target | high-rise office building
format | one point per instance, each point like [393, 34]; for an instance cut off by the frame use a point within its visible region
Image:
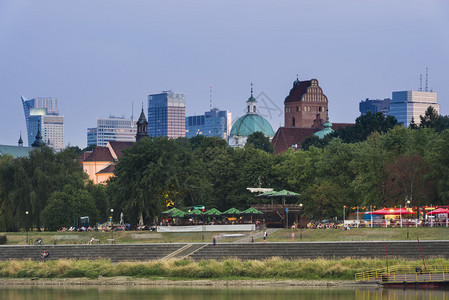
[113, 128]
[166, 115]
[213, 123]
[375, 106]
[406, 106]
[43, 113]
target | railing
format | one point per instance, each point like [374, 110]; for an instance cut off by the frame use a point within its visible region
[405, 274]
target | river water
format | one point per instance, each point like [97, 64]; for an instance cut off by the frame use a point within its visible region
[195, 293]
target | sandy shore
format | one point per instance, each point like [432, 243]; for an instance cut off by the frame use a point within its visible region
[129, 281]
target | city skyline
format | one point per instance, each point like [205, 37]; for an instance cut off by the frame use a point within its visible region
[98, 58]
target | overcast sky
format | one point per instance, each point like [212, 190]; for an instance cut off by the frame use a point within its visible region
[98, 57]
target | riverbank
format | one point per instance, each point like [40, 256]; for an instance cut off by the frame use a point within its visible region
[130, 281]
[228, 270]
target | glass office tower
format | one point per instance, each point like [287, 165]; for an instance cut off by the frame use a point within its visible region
[166, 115]
[113, 128]
[213, 123]
[408, 105]
[43, 112]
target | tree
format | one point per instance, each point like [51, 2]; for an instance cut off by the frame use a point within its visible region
[68, 205]
[409, 178]
[149, 171]
[364, 126]
[260, 141]
[430, 118]
[315, 141]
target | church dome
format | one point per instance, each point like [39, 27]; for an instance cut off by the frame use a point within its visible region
[250, 123]
[326, 130]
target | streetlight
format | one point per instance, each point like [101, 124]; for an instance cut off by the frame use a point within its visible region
[408, 225]
[112, 227]
[26, 213]
[300, 219]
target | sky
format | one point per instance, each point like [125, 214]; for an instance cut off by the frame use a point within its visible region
[102, 57]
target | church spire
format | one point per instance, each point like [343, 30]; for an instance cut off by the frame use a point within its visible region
[251, 103]
[20, 140]
[38, 141]
[142, 126]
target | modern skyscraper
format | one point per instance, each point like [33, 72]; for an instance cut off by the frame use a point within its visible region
[166, 115]
[406, 106]
[112, 129]
[375, 106]
[213, 123]
[43, 112]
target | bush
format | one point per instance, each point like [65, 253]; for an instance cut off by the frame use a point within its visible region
[3, 239]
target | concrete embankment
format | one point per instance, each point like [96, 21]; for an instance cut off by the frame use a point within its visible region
[244, 251]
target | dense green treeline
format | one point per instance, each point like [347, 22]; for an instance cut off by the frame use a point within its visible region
[52, 187]
[384, 170]
[387, 168]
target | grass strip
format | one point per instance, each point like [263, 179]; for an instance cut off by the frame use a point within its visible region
[277, 268]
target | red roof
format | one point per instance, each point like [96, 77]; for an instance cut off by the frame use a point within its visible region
[286, 137]
[107, 170]
[100, 154]
[118, 147]
[298, 91]
[84, 155]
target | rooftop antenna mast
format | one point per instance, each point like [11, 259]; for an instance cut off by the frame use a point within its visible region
[420, 83]
[210, 96]
[427, 79]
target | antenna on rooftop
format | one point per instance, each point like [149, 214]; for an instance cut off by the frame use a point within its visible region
[420, 83]
[210, 96]
[427, 79]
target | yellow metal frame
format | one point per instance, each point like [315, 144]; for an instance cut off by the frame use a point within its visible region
[401, 274]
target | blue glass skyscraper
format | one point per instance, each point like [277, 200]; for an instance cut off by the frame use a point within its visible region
[166, 115]
[213, 123]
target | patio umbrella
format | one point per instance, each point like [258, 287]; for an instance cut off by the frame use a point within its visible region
[194, 212]
[171, 211]
[438, 211]
[232, 212]
[382, 212]
[178, 214]
[213, 212]
[266, 194]
[385, 211]
[251, 211]
[284, 194]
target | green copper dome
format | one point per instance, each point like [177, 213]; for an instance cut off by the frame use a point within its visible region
[250, 123]
[326, 130]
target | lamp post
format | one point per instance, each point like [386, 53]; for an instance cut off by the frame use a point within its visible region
[300, 221]
[112, 228]
[408, 225]
[26, 213]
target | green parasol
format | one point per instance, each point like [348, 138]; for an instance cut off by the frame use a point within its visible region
[171, 211]
[232, 212]
[213, 212]
[178, 214]
[283, 194]
[252, 211]
[194, 212]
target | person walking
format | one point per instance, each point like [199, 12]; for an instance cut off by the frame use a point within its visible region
[265, 234]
